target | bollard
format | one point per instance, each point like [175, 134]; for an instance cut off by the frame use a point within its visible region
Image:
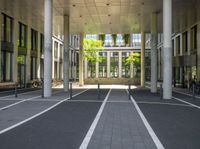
[16, 90]
[42, 81]
[161, 92]
[193, 90]
[129, 92]
[70, 93]
[98, 91]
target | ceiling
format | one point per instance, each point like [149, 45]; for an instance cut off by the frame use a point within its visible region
[103, 16]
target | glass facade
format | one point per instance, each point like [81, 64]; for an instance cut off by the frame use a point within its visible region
[22, 35]
[114, 65]
[34, 40]
[103, 65]
[125, 67]
[6, 53]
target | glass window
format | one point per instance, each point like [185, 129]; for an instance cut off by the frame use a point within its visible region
[33, 40]
[22, 35]
[61, 51]
[6, 66]
[120, 40]
[91, 70]
[56, 49]
[136, 39]
[125, 67]
[103, 65]
[185, 39]
[6, 28]
[42, 43]
[178, 49]
[108, 40]
[193, 38]
[114, 61]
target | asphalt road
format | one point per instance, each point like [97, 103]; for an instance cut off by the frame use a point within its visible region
[62, 127]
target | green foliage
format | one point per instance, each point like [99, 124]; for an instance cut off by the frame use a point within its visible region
[102, 38]
[134, 59]
[114, 37]
[91, 48]
[126, 38]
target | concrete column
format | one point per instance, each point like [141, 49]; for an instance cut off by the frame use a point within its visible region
[120, 64]
[15, 54]
[0, 50]
[66, 53]
[70, 63]
[81, 81]
[48, 11]
[97, 67]
[86, 69]
[28, 56]
[142, 81]
[154, 54]
[108, 64]
[53, 58]
[38, 56]
[167, 49]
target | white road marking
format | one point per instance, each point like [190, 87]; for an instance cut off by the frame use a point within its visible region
[88, 136]
[185, 94]
[193, 105]
[147, 125]
[36, 115]
[21, 101]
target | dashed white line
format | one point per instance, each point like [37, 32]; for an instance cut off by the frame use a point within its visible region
[88, 136]
[36, 115]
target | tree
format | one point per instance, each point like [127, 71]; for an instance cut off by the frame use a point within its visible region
[114, 37]
[91, 49]
[134, 59]
[102, 38]
[126, 38]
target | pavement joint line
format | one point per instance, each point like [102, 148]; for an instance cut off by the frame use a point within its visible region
[116, 101]
[14, 90]
[83, 101]
[3, 97]
[38, 114]
[147, 125]
[160, 103]
[193, 105]
[90, 132]
[21, 101]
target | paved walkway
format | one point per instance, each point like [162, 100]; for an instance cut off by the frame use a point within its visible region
[111, 122]
[120, 126]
